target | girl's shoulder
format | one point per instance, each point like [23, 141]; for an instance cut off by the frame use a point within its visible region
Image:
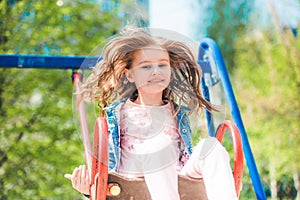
[115, 104]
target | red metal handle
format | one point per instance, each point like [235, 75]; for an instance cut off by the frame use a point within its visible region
[77, 77]
[100, 158]
[238, 151]
[98, 162]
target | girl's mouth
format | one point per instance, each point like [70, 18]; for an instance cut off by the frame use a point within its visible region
[156, 81]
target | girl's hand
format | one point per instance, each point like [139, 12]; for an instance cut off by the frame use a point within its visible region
[80, 179]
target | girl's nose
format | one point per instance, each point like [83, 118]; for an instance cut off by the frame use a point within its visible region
[155, 69]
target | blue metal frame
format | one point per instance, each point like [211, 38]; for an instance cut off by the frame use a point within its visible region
[46, 62]
[208, 44]
[208, 115]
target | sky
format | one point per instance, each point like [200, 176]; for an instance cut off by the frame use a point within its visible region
[183, 16]
[288, 11]
[175, 15]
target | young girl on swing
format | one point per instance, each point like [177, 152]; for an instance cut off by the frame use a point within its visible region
[147, 86]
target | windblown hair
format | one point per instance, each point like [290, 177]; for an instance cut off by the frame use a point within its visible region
[108, 82]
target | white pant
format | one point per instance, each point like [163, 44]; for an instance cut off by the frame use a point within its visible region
[209, 161]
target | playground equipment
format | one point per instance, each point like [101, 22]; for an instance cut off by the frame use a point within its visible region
[111, 186]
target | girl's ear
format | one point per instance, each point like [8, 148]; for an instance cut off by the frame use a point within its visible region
[129, 76]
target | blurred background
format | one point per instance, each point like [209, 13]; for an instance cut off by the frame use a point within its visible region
[39, 141]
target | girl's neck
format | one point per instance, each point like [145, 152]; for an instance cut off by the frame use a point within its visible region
[150, 100]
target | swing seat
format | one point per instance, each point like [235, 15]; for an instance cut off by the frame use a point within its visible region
[112, 186]
[135, 188]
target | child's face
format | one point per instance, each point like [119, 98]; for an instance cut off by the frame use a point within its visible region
[150, 70]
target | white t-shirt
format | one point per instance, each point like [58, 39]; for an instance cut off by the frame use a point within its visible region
[150, 147]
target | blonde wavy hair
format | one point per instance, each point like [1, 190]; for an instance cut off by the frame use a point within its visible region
[108, 83]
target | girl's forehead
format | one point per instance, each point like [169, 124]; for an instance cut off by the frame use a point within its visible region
[151, 50]
[153, 47]
[150, 54]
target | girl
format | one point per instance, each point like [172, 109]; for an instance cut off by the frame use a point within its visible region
[147, 86]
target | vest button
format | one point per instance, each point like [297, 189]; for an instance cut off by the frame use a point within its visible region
[184, 130]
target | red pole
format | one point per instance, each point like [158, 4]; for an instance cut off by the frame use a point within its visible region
[101, 136]
[238, 151]
[98, 162]
[77, 77]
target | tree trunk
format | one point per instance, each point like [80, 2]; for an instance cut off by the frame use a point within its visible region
[273, 183]
[297, 183]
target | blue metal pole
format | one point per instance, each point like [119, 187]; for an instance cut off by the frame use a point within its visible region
[208, 43]
[208, 115]
[46, 62]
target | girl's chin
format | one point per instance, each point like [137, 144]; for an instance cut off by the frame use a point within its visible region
[158, 85]
[153, 89]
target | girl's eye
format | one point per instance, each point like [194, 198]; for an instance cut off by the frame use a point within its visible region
[146, 67]
[162, 65]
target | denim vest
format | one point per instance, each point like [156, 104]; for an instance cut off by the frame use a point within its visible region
[112, 114]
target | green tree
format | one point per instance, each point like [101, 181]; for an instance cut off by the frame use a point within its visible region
[35, 27]
[268, 82]
[225, 21]
[39, 140]
[264, 69]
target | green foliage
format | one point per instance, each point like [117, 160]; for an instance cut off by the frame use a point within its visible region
[39, 140]
[228, 20]
[42, 27]
[265, 73]
[267, 82]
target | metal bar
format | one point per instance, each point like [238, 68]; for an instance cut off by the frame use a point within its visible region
[208, 43]
[47, 62]
[80, 108]
[206, 68]
[208, 115]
